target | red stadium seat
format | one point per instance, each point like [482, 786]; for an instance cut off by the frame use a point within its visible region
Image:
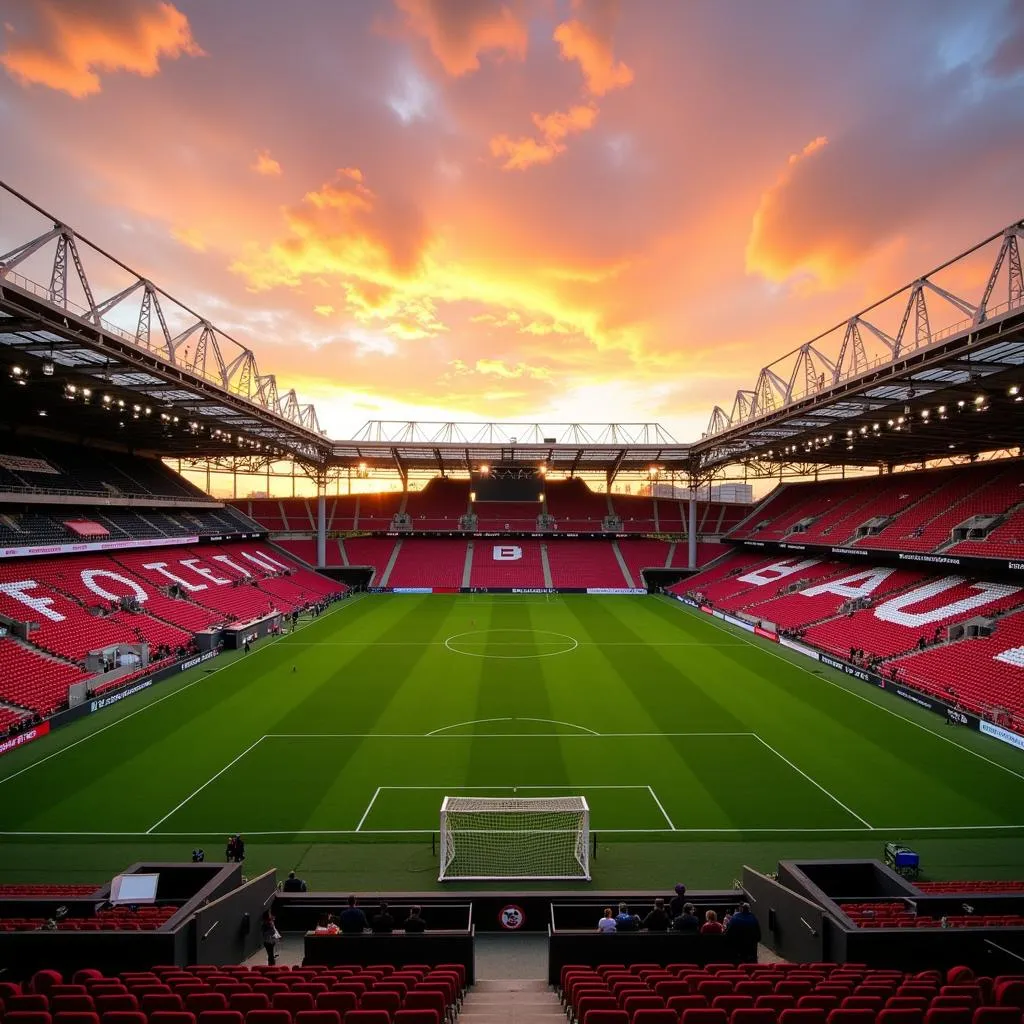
[432, 1017]
[747, 1015]
[317, 1017]
[79, 1017]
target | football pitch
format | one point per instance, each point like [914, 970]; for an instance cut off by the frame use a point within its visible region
[698, 748]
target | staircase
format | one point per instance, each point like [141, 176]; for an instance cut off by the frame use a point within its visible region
[512, 1001]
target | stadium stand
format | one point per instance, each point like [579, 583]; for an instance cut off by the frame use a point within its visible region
[375, 511]
[575, 506]
[369, 551]
[585, 563]
[492, 568]
[901, 512]
[507, 516]
[428, 563]
[87, 603]
[52, 467]
[898, 618]
[440, 505]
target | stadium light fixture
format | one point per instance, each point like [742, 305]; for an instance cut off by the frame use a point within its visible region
[48, 368]
[980, 400]
[1014, 390]
[485, 469]
[42, 412]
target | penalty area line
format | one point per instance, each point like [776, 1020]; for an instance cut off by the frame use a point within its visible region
[213, 778]
[369, 807]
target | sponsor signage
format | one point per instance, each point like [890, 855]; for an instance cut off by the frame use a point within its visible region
[615, 590]
[106, 545]
[28, 736]
[766, 633]
[197, 660]
[982, 567]
[112, 698]
[795, 645]
[412, 590]
[999, 733]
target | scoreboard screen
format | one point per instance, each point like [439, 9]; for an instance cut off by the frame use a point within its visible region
[507, 485]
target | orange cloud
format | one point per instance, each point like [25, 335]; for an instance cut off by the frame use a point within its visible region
[779, 246]
[593, 53]
[459, 31]
[524, 152]
[76, 40]
[191, 237]
[265, 164]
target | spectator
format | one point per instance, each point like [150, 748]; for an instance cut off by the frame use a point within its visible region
[711, 925]
[414, 923]
[352, 919]
[326, 926]
[607, 923]
[271, 936]
[686, 922]
[383, 923]
[675, 907]
[198, 856]
[293, 884]
[625, 921]
[657, 920]
[744, 932]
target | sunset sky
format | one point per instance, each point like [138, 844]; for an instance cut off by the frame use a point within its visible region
[530, 209]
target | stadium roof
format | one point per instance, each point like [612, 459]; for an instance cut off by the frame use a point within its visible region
[138, 368]
[138, 346]
[888, 387]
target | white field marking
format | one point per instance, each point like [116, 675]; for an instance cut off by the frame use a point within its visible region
[472, 721]
[852, 693]
[555, 721]
[442, 788]
[512, 643]
[438, 734]
[654, 797]
[812, 781]
[212, 778]
[173, 693]
[369, 807]
[623, 831]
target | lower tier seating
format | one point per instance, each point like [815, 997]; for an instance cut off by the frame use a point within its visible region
[899, 619]
[585, 563]
[429, 563]
[513, 563]
[80, 604]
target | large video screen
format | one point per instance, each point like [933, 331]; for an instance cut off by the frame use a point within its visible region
[506, 485]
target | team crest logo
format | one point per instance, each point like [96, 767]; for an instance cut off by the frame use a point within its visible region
[512, 918]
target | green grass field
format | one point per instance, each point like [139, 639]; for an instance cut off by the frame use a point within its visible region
[698, 748]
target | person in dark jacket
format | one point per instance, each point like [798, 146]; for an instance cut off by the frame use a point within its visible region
[675, 907]
[657, 920]
[626, 921]
[687, 922]
[352, 919]
[383, 923]
[744, 933]
[293, 883]
[414, 923]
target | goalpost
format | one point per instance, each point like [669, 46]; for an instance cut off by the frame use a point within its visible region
[493, 839]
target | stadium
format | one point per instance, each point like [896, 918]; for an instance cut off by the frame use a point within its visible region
[493, 677]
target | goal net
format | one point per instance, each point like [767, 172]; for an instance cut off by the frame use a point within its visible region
[487, 839]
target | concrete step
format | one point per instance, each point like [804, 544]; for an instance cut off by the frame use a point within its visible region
[511, 997]
[512, 985]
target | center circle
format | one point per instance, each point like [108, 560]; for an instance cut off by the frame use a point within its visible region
[503, 643]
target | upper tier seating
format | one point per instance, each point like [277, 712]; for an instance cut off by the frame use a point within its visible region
[377, 510]
[440, 505]
[576, 508]
[585, 563]
[429, 562]
[635, 511]
[922, 510]
[40, 465]
[514, 516]
[30, 526]
[515, 563]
